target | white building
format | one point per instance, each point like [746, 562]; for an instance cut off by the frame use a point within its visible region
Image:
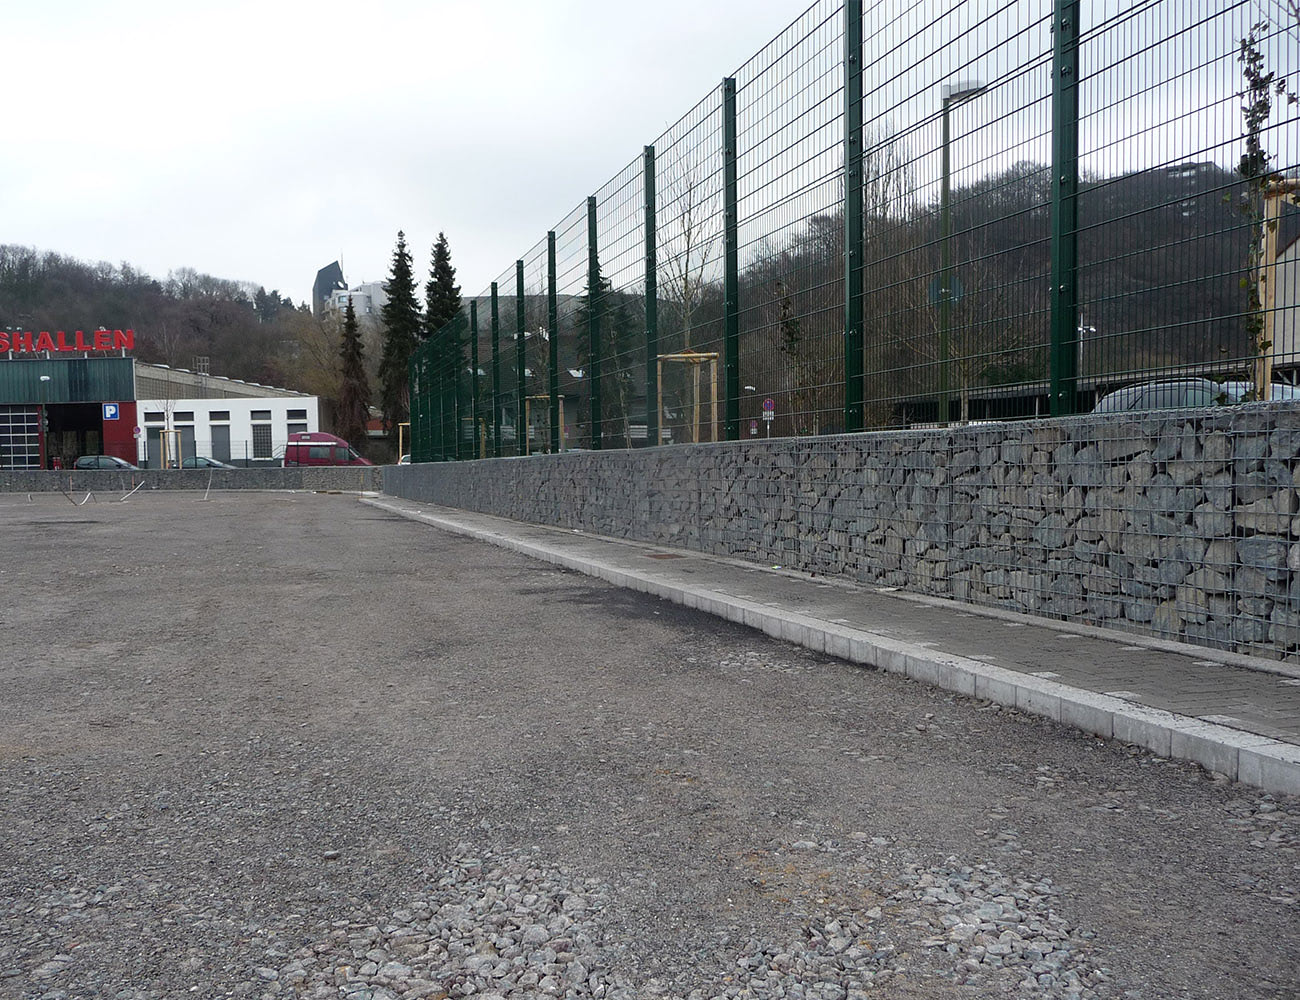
[182, 414]
[368, 298]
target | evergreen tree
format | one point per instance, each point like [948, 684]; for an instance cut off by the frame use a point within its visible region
[354, 390]
[442, 294]
[445, 327]
[621, 350]
[401, 318]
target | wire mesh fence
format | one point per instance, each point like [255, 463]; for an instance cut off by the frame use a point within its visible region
[894, 216]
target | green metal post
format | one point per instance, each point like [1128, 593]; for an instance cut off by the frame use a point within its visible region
[553, 332]
[450, 389]
[854, 240]
[496, 374]
[439, 419]
[456, 364]
[521, 363]
[652, 414]
[594, 306]
[473, 380]
[444, 398]
[731, 266]
[1065, 208]
[945, 269]
[413, 392]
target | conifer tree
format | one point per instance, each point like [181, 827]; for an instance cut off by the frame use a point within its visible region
[444, 326]
[442, 294]
[354, 389]
[401, 317]
[620, 350]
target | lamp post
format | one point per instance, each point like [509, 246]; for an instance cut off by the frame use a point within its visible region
[44, 419]
[950, 94]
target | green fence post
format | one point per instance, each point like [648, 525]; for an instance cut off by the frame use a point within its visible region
[413, 393]
[553, 332]
[854, 242]
[593, 324]
[521, 363]
[456, 363]
[731, 267]
[1065, 208]
[652, 414]
[496, 374]
[440, 378]
[473, 381]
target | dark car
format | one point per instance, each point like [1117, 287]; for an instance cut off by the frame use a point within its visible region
[203, 462]
[103, 462]
[1174, 394]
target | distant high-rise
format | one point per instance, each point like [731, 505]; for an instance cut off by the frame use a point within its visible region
[329, 279]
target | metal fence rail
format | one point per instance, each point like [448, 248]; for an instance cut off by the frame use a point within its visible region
[891, 217]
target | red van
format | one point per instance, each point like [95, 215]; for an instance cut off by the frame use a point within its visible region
[319, 448]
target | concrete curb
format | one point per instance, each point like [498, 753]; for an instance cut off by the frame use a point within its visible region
[1255, 760]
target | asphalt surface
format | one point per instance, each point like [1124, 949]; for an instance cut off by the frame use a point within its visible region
[1235, 715]
[245, 742]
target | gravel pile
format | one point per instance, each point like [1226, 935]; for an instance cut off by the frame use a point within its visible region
[493, 926]
[990, 923]
[506, 927]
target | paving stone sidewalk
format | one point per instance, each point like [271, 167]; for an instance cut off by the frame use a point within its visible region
[1233, 714]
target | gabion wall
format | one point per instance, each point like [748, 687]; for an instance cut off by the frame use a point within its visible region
[1183, 525]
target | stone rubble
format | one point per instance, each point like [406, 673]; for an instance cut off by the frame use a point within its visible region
[502, 926]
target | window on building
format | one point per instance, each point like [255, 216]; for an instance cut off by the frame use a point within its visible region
[261, 415]
[297, 428]
[297, 415]
[219, 416]
[261, 440]
[153, 417]
[184, 416]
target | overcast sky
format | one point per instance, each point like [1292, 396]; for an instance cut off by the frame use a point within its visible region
[261, 141]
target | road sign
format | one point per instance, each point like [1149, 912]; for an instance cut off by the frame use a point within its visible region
[110, 411]
[769, 416]
[137, 432]
[753, 427]
[768, 406]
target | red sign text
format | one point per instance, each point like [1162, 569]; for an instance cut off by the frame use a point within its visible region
[24, 341]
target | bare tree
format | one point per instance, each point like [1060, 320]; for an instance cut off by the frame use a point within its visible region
[690, 241]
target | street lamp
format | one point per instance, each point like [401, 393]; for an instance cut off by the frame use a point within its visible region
[950, 94]
[44, 418]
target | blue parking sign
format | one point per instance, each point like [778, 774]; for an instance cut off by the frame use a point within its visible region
[110, 411]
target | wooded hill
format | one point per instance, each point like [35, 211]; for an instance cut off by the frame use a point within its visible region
[245, 331]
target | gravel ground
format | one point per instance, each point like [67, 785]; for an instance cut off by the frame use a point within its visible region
[285, 745]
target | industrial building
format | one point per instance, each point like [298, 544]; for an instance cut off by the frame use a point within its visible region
[64, 395]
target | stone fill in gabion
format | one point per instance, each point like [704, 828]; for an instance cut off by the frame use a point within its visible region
[1182, 524]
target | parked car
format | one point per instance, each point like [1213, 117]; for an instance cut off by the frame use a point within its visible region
[103, 462]
[1277, 392]
[404, 460]
[319, 448]
[203, 462]
[1175, 394]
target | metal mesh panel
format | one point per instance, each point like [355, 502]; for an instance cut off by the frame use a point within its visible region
[956, 284]
[989, 286]
[689, 175]
[1164, 237]
[619, 308]
[791, 199]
